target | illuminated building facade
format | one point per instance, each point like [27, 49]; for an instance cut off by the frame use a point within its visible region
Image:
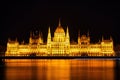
[59, 45]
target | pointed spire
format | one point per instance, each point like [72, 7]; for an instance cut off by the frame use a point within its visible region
[49, 33]
[49, 36]
[59, 22]
[78, 36]
[99, 41]
[67, 28]
[30, 39]
[67, 32]
[40, 37]
[67, 36]
[102, 38]
[30, 33]
[23, 42]
[39, 34]
[49, 30]
[9, 39]
[16, 40]
[111, 38]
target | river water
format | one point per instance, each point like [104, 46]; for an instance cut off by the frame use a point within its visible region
[60, 69]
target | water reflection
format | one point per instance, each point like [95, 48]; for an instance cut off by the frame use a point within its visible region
[93, 70]
[84, 69]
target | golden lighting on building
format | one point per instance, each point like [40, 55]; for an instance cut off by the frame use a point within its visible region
[59, 45]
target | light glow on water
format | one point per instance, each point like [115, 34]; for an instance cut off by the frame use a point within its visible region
[59, 69]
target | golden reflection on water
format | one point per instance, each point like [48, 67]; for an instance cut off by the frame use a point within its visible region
[59, 69]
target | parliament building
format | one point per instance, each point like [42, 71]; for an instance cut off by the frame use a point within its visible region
[59, 45]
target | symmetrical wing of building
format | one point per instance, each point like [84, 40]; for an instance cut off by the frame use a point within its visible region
[59, 45]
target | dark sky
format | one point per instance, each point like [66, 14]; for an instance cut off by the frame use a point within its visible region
[18, 18]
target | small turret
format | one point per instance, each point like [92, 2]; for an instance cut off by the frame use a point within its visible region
[30, 39]
[9, 39]
[16, 40]
[30, 33]
[102, 38]
[40, 40]
[79, 37]
[111, 38]
[88, 34]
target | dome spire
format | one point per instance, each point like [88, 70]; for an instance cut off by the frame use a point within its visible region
[59, 23]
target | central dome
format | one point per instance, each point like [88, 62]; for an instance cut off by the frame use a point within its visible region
[59, 30]
[59, 35]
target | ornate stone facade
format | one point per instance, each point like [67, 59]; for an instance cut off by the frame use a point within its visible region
[60, 45]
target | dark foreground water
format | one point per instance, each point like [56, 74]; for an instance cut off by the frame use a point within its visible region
[71, 69]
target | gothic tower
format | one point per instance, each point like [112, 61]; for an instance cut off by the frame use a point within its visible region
[79, 37]
[30, 39]
[49, 41]
[49, 36]
[67, 36]
[40, 39]
[88, 35]
[67, 42]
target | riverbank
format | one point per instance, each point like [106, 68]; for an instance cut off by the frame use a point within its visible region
[60, 57]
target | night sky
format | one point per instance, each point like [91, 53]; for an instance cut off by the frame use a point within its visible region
[18, 18]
